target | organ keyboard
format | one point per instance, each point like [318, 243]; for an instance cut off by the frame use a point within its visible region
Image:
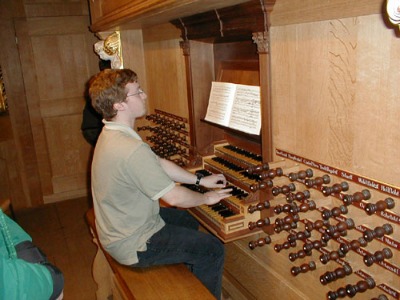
[230, 218]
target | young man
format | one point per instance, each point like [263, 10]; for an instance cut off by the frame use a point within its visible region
[128, 180]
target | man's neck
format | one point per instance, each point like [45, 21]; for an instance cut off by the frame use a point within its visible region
[126, 121]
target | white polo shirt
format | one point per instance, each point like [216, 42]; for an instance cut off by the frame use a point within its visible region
[127, 182]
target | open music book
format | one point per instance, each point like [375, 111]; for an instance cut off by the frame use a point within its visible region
[236, 106]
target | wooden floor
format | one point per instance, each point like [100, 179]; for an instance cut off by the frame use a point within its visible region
[60, 230]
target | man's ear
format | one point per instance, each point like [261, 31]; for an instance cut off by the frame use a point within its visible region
[119, 106]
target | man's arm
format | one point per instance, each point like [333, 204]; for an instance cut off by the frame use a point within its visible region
[183, 197]
[181, 175]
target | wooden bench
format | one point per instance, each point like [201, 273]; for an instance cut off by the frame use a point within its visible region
[115, 281]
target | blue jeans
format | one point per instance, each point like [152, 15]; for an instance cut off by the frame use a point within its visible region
[179, 241]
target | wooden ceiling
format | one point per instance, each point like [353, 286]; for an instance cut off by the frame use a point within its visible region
[131, 14]
[141, 14]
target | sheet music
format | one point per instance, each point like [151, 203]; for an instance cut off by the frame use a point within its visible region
[246, 109]
[236, 106]
[220, 103]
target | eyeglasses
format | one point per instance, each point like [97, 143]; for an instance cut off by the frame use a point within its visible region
[139, 92]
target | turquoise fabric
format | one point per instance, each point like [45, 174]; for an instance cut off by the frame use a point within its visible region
[19, 279]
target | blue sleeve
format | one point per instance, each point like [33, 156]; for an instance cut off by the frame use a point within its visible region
[22, 280]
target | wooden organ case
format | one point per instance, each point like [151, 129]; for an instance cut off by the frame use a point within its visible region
[220, 46]
[300, 229]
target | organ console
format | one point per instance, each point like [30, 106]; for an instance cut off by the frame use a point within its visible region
[239, 215]
[316, 211]
[293, 207]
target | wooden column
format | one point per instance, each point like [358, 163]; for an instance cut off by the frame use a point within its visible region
[185, 45]
[262, 40]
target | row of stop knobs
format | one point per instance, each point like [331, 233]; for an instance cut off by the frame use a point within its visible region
[348, 290]
[266, 175]
[331, 231]
[288, 190]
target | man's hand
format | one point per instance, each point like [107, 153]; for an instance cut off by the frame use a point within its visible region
[215, 196]
[213, 181]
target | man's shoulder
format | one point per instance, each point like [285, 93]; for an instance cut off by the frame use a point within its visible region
[121, 143]
[121, 138]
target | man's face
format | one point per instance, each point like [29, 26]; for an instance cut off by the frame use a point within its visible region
[136, 100]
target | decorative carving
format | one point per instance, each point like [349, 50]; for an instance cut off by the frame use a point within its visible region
[110, 49]
[262, 41]
[185, 46]
[393, 11]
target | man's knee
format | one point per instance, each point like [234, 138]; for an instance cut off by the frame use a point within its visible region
[216, 247]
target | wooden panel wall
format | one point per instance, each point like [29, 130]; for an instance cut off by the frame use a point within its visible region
[133, 53]
[203, 73]
[335, 94]
[19, 174]
[57, 58]
[303, 11]
[155, 55]
[165, 71]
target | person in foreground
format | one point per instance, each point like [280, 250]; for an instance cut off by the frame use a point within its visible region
[25, 271]
[128, 180]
